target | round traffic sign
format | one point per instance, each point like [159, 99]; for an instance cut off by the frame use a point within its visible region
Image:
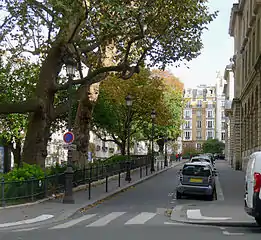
[68, 137]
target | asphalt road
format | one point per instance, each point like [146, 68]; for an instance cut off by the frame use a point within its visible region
[137, 213]
[136, 232]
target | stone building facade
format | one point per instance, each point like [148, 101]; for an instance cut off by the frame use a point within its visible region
[245, 28]
[229, 96]
[199, 116]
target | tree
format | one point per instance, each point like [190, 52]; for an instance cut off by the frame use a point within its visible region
[104, 36]
[213, 146]
[174, 101]
[17, 81]
[110, 112]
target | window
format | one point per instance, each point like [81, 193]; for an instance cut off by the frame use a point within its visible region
[199, 136]
[223, 114]
[222, 136]
[198, 113]
[210, 114]
[199, 103]
[187, 114]
[188, 105]
[209, 134]
[210, 105]
[187, 135]
[196, 170]
[223, 125]
[223, 103]
[198, 146]
[199, 124]
[210, 124]
[188, 124]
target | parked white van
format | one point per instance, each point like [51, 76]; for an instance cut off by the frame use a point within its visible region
[253, 186]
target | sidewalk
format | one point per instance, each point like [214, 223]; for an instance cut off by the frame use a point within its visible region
[228, 210]
[55, 210]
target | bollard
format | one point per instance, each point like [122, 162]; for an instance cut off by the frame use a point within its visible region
[161, 165]
[45, 185]
[3, 192]
[119, 179]
[106, 183]
[32, 189]
[140, 172]
[157, 166]
[146, 170]
[90, 183]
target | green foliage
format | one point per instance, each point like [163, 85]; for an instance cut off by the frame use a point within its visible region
[213, 146]
[27, 172]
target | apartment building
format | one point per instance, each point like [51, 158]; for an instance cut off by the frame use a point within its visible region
[199, 116]
[220, 109]
[245, 27]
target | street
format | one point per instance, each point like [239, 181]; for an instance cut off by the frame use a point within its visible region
[139, 212]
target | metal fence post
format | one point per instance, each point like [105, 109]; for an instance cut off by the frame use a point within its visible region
[140, 171]
[32, 189]
[119, 176]
[45, 185]
[3, 192]
[106, 183]
[90, 183]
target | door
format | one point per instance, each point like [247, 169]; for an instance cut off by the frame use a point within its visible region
[250, 182]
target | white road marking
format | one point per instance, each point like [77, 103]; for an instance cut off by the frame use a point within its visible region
[222, 228]
[141, 218]
[24, 229]
[220, 195]
[106, 219]
[232, 234]
[196, 214]
[40, 218]
[73, 222]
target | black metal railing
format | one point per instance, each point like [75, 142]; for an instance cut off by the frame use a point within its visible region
[17, 192]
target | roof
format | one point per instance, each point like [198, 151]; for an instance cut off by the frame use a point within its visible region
[197, 164]
[201, 157]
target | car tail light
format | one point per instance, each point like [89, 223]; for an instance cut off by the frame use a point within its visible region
[257, 182]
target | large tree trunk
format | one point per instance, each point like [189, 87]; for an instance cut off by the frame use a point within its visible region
[123, 148]
[82, 123]
[38, 131]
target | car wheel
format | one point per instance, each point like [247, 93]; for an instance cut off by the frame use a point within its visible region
[258, 221]
[178, 195]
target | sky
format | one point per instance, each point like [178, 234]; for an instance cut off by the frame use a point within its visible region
[218, 49]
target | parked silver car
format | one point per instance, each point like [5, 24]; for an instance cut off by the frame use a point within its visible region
[197, 178]
[202, 158]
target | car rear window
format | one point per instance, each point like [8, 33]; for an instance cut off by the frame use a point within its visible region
[196, 170]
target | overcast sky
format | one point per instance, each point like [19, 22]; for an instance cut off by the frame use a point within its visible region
[218, 49]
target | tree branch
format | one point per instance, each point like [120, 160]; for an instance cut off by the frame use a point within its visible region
[90, 78]
[20, 107]
[41, 6]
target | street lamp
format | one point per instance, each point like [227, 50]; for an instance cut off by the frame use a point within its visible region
[153, 116]
[68, 195]
[129, 104]
[166, 153]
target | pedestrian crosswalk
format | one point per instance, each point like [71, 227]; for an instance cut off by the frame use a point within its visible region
[101, 220]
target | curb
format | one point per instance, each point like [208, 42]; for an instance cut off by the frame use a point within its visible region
[182, 219]
[119, 190]
[60, 195]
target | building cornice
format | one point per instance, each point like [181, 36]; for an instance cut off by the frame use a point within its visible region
[233, 14]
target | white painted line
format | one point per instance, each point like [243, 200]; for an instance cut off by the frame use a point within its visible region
[220, 195]
[40, 218]
[141, 218]
[196, 214]
[232, 234]
[73, 222]
[106, 219]
[222, 228]
[24, 229]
